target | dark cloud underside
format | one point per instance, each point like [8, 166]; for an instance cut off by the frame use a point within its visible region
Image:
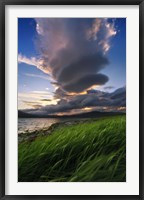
[86, 82]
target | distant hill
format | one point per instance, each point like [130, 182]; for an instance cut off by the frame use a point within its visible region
[93, 114]
[22, 114]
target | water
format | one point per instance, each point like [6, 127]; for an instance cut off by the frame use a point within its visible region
[32, 124]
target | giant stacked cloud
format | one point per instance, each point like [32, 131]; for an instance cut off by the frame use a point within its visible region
[73, 51]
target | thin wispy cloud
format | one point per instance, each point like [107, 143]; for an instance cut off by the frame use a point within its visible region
[30, 61]
[29, 99]
[37, 62]
[38, 76]
[41, 92]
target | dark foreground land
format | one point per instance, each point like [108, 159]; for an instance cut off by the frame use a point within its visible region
[87, 151]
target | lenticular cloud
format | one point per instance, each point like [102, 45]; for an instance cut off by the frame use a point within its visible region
[73, 51]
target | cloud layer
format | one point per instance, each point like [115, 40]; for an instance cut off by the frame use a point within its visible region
[115, 100]
[73, 51]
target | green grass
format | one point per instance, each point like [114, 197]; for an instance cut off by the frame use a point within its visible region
[93, 151]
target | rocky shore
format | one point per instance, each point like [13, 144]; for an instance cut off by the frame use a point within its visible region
[31, 136]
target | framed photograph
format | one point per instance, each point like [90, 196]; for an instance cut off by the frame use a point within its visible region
[71, 99]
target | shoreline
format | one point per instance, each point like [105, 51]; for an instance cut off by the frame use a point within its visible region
[32, 135]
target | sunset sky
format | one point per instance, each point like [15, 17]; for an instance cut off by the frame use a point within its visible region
[71, 65]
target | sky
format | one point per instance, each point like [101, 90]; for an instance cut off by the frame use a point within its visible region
[71, 65]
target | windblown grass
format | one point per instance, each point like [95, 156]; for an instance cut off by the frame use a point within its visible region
[88, 152]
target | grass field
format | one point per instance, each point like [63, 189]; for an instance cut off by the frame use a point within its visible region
[93, 151]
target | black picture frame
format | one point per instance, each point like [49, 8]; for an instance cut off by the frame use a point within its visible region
[3, 3]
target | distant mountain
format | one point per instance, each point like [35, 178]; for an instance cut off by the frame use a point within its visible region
[93, 114]
[119, 93]
[22, 114]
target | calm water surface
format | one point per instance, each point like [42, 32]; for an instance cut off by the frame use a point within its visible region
[32, 124]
